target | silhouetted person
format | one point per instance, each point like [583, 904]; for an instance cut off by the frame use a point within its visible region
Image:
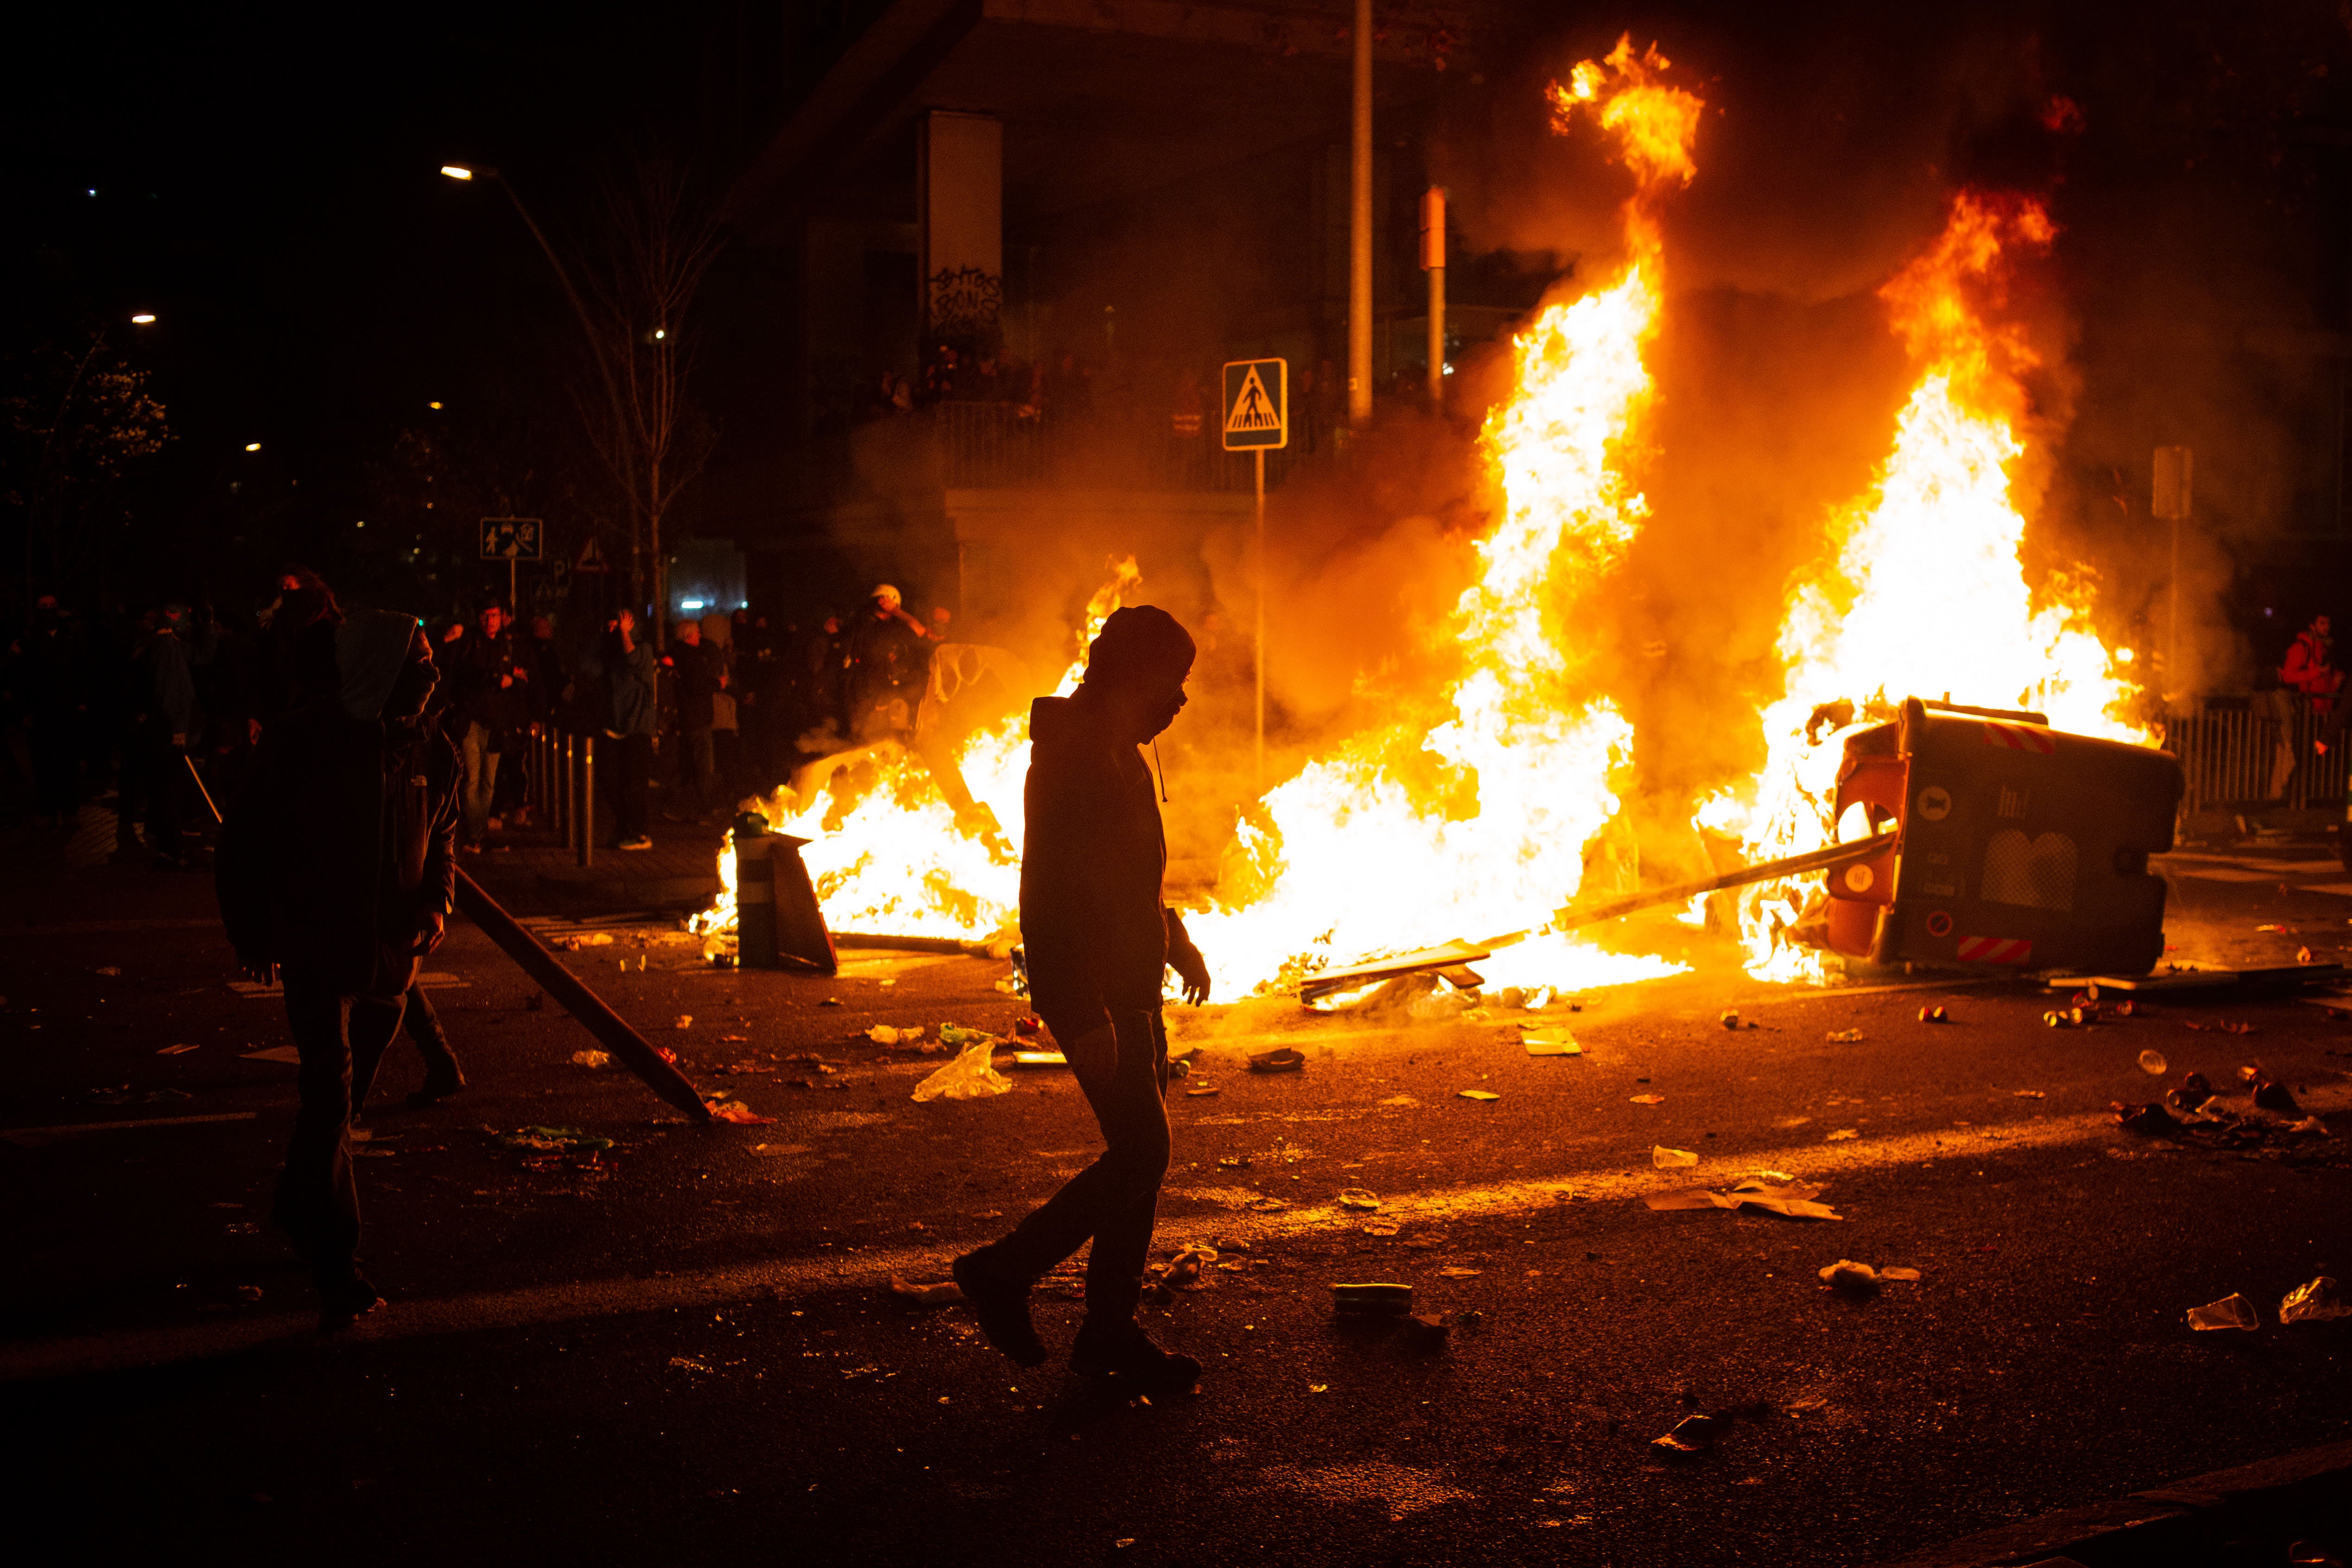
[443, 1077]
[886, 661]
[2310, 668]
[701, 674]
[335, 869]
[631, 668]
[1098, 941]
[168, 725]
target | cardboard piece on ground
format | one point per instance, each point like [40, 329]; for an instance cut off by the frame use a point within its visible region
[1550, 1043]
[1331, 981]
[1792, 1202]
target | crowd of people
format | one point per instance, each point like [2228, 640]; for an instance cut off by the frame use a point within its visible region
[153, 716]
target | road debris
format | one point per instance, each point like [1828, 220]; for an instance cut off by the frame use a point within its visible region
[1182, 1272]
[2268, 1092]
[1381, 1228]
[1550, 1043]
[1478, 1094]
[725, 1109]
[969, 1076]
[1692, 1436]
[175, 1050]
[1282, 1058]
[938, 1294]
[1048, 1060]
[1647, 1098]
[2153, 1064]
[1731, 1019]
[2192, 1092]
[1456, 1271]
[685, 1021]
[1200, 1091]
[1934, 1015]
[887, 1034]
[109, 970]
[1789, 1200]
[1845, 1274]
[1427, 1330]
[1371, 1301]
[2314, 1303]
[2027, 1094]
[2218, 1027]
[1840, 1038]
[1844, 1135]
[550, 1140]
[2232, 1311]
[1358, 1198]
[1666, 1159]
[591, 1059]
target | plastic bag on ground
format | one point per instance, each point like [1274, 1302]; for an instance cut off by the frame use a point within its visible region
[1666, 1159]
[2232, 1311]
[2314, 1303]
[968, 1077]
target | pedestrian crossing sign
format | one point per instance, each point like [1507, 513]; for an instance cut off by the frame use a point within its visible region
[1257, 403]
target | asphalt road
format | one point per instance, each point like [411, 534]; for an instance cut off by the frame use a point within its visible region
[689, 1350]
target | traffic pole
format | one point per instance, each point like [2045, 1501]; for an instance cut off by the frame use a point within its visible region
[1259, 658]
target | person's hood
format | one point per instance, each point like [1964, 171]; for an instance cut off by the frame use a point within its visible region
[371, 646]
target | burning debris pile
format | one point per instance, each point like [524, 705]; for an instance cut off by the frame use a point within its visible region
[1473, 814]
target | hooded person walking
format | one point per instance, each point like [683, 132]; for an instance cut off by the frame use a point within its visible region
[1098, 942]
[335, 870]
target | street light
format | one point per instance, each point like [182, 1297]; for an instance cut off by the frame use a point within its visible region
[253, 446]
[143, 318]
[457, 171]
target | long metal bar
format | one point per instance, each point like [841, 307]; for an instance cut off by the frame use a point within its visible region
[587, 800]
[1836, 855]
[537, 960]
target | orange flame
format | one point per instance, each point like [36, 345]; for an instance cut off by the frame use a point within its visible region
[1926, 596]
[1370, 852]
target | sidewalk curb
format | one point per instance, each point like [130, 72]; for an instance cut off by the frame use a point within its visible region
[2171, 1520]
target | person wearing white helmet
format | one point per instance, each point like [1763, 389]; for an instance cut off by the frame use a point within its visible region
[886, 665]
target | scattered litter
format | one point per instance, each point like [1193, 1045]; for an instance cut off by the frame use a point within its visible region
[2289, 930]
[1844, 1135]
[586, 939]
[1845, 1274]
[1426, 1330]
[591, 1059]
[685, 1021]
[1842, 1037]
[287, 1054]
[830, 1002]
[2028, 1094]
[968, 1077]
[1029, 1028]
[1934, 1015]
[175, 1050]
[1381, 1228]
[2218, 1027]
[1382, 1300]
[1282, 1058]
[1551, 1043]
[1183, 1270]
[551, 1140]
[1789, 1200]
[687, 1363]
[939, 1294]
[1666, 1159]
[1458, 1272]
[2314, 1303]
[1730, 1019]
[2189, 1094]
[1478, 1094]
[958, 1035]
[2302, 955]
[1200, 1091]
[2268, 1092]
[2232, 1311]
[1040, 1059]
[1692, 1436]
[1647, 1098]
[2153, 1064]
[736, 1111]
[1264, 1204]
[1358, 1198]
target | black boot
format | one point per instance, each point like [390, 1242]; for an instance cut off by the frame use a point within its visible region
[344, 1298]
[442, 1080]
[1002, 1306]
[1124, 1353]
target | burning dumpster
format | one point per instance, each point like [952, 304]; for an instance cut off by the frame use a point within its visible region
[2016, 845]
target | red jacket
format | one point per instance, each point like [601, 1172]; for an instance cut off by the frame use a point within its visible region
[2307, 670]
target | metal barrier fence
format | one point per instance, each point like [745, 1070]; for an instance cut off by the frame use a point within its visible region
[2242, 753]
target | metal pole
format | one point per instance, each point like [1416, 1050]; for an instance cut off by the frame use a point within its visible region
[1360, 229]
[587, 799]
[1259, 656]
[571, 788]
[1433, 259]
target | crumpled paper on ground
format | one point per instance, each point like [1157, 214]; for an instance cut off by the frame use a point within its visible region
[1792, 1202]
[968, 1077]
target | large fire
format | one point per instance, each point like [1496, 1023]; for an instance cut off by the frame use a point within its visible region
[1473, 814]
[1926, 596]
[1373, 851]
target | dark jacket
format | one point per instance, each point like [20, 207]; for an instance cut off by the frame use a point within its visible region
[170, 678]
[476, 697]
[699, 665]
[1092, 925]
[884, 653]
[636, 700]
[338, 841]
